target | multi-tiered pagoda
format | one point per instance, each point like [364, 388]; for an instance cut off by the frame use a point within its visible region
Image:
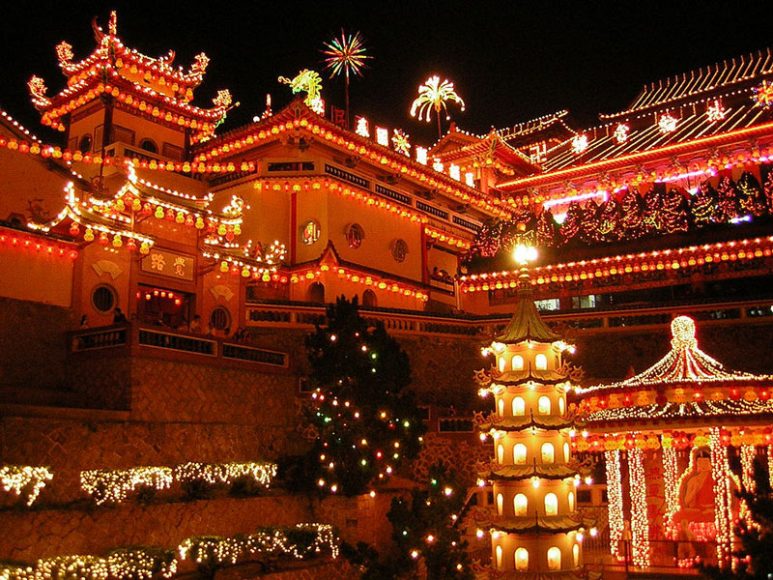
[535, 529]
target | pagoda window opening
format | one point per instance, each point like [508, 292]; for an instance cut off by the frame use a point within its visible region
[316, 293]
[502, 363]
[521, 559]
[520, 504]
[519, 407]
[554, 559]
[500, 504]
[369, 299]
[551, 504]
[544, 405]
[501, 407]
[570, 500]
[517, 362]
[541, 362]
[499, 557]
[548, 453]
[519, 454]
[566, 452]
[501, 453]
[576, 555]
[561, 406]
[149, 145]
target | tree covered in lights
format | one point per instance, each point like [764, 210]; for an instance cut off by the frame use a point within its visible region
[727, 200]
[704, 205]
[675, 212]
[767, 190]
[364, 417]
[424, 528]
[632, 219]
[750, 197]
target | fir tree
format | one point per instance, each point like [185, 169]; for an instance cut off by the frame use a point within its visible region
[750, 197]
[546, 229]
[589, 225]
[609, 218]
[704, 206]
[571, 227]
[487, 241]
[768, 191]
[364, 418]
[632, 220]
[653, 205]
[424, 527]
[727, 200]
[674, 212]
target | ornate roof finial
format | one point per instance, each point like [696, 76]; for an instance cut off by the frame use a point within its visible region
[683, 333]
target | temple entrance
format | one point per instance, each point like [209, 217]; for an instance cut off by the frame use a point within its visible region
[163, 307]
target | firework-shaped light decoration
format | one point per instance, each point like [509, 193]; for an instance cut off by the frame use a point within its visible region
[345, 55]
[434, 96]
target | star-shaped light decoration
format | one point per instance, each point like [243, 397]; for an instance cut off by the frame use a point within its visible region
[579, 144]
[667, 124]
[401, 142]
[763, 95]
[621, 133]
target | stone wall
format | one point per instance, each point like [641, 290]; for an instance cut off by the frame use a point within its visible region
[32, 344]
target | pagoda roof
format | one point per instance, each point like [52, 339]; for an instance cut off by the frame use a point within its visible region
[514, 378]
[547, 423]
[737, 72]
[538, 523]
[709, 411]
[489, 147]
[525, 132]
[519, 472]
[297, 116]
[526, 323]
[684, 365]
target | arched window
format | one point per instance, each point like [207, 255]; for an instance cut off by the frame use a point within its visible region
[570, 500]
[541, 362]
[500, 504]
[551, 504]
[501, 453]
[501, 362]
[317, 293]
[561, 405]
[520, 504]
[499, 557]
[501, 407]
[517, 362]
[84, 145]
[519, 454]
[576, 554]
[220, 319]
[521, 559]
[149, 145]
[519, 407]
[548, 453]
[369, 299]
[543, 405]
[554, 559]
[566, 452]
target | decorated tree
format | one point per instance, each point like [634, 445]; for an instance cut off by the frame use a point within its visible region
[424, 528]
[546, 229]
[727, 200]
[675, 212]
[589, 225]
[653, 204]
[364, 419]
[632, 220]
[487, 241]
[704, 205]
[768, 191]
[608, 221]
[570, 229]
[750, 197]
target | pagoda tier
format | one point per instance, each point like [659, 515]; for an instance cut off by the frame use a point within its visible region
[535, 529]
[143, 85]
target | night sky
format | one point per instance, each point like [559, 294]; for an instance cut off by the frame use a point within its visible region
[511, 61]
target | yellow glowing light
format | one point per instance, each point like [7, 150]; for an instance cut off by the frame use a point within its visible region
[434, 96]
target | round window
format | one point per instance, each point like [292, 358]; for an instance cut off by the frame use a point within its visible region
[84, 146]
[310, 232]
[220, 319]
[103, 299]
[354, 235]
[399, 250]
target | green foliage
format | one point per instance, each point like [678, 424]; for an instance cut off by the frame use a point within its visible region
[365, 419]
[424, 527]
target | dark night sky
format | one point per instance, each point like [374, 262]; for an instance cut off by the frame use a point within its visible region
[511, 61]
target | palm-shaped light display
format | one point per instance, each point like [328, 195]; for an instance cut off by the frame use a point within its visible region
[345, 56]
[434, 96]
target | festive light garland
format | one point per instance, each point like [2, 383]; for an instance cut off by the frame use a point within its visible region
[640, 527]
[748, 453]
[615, 499]
[770, 462]
[226, 473]
[670, 486]
[114, 486]
[357, 276]
[659, 260]
[446, 238]
[25, 478]
[22, 241]
[722, 496]
[211, 550]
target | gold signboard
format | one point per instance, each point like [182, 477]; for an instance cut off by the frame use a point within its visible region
[168, 264]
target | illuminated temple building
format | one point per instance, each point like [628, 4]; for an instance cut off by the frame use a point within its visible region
[220, 246]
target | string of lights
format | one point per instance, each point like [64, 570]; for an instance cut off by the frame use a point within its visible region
[722, 496]
[615, 499]
[640, 526]
[25, 479]
[670, 487]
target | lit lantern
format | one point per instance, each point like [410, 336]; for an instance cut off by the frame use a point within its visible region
[145, 248]
[88, 236]
[224, 267]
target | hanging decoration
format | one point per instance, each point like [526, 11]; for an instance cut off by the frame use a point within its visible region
[615, 499]
[25, 479]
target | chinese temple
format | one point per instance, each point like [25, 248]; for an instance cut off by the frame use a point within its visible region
[167, 267]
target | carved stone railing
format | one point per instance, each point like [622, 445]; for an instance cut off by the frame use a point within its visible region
[159, 340]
